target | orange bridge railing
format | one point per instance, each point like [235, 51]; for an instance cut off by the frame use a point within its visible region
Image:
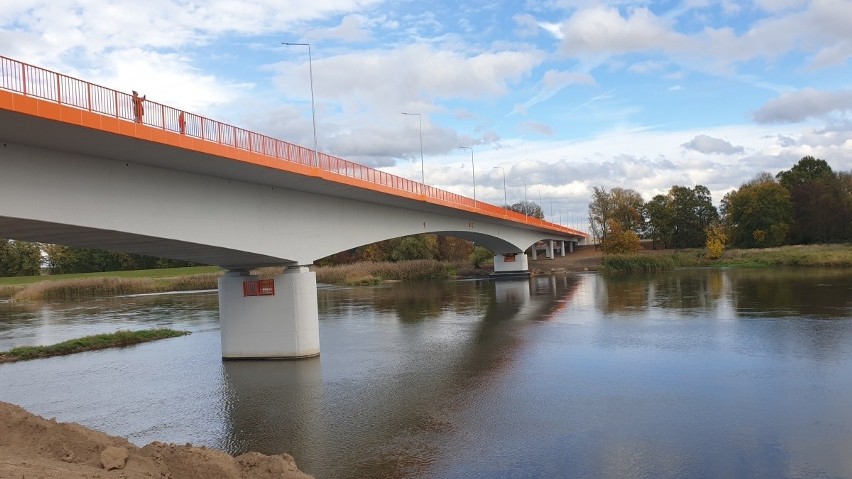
[40, 83]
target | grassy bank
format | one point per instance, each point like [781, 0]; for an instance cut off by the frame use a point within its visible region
[833, 256]
[373, 273]
[827, 256]
[88, 343]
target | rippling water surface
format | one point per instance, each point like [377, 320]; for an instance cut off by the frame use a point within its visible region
[701, 373]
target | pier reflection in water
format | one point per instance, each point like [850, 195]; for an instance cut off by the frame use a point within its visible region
[703, 373]
[395, 379]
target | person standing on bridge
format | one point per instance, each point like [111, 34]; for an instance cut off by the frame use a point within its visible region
[182, 123]
[138, 107]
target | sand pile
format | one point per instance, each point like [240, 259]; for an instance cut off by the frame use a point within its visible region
[34, 447]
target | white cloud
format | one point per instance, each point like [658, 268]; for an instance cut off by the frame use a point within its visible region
[351, 29]
[648, 66]
[604, 30]
[819, 28]
[527, 26]
[536, 127]
[708, 144]
[807, 103]
[411, 77]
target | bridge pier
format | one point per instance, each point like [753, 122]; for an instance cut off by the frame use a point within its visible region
[511, 264]
[271, 319]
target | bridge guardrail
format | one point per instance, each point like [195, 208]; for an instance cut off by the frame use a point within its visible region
[29, 80]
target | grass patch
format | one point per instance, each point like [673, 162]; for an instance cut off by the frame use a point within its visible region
[88, 343]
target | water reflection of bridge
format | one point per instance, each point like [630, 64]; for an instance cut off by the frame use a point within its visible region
[396, 374]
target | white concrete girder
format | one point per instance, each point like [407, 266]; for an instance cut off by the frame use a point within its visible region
[90, 201]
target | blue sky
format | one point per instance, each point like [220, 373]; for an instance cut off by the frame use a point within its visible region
[561, 95]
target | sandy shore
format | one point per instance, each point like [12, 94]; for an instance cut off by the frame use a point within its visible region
[33, 447]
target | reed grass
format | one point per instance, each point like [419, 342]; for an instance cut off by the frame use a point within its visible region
[139, 273]
[7, 291]
[88, 343]
[83, 288]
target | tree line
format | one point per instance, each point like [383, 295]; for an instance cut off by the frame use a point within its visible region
[21, 258]
[809, 203]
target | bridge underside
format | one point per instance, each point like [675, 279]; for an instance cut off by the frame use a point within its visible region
[122, 242]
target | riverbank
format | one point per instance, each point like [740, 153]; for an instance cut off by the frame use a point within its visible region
[584, 258]
[588, 258]
[31, 446]
[88, 343]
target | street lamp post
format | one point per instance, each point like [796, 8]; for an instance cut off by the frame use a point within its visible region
[505, 203]
[472, 169]
[420, 122]
[313, 104]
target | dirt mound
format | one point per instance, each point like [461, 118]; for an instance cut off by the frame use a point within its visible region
[34, 447]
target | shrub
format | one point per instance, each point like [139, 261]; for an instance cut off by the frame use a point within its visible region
[636, 263]
[480, 255]
[715, 241]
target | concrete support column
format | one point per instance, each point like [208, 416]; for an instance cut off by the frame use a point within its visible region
[570, 246]
[562, 249]
[534, 252]
[269, 320]
[549, 250]
[511, 263]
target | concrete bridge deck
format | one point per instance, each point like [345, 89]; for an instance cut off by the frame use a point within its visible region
[88, 166]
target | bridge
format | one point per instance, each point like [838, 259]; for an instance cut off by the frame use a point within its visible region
[88, 166]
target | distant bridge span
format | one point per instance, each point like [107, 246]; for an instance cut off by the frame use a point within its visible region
[88, 166]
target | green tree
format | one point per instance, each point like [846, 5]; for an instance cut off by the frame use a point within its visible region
[528, 208]
[19, 258]
[628, 209]
[758, 214]
[622, 205]
[479, 255]
[67, 259]
[692, 213]
[659, 219]
[806, 170]
[412, 247]
[820, 204]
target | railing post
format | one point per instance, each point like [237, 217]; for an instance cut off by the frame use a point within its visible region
[24, 77]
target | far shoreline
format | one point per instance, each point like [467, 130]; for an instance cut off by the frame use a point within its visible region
[584, 258]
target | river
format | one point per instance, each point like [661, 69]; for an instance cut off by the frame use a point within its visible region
[688, 374]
